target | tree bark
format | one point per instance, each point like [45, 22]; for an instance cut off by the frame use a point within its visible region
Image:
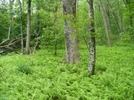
[28, 27]
[92, 50]
[21, 28]
[70, 31]
[11, 18]
[105, 22]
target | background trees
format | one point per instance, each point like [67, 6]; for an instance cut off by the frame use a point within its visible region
[105, 22]
[47, 18]
[118, 14]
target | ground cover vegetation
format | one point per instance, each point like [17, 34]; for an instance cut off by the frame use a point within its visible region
[43, 76]
[66, 50]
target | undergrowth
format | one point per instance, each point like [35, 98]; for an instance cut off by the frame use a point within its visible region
[42, 76]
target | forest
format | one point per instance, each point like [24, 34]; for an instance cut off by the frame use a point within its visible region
[66, 50]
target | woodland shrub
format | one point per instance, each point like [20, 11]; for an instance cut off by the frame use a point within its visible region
[26, 69]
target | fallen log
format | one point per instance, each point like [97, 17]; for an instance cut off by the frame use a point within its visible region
[10, 46]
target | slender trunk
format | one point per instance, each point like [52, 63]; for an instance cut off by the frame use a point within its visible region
[105, 22]
[114, 17]
[9, 29]
[11, 17]
[71, 41]
[108, 16]
[92, 50]
[28, 27]
[56, 30]
[21, 28]
[120, 20]
[38, 29]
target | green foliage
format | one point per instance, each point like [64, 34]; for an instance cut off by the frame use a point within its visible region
[53, 80]
[24, 69]
[4, 18]
[51, 33]
[82, 21]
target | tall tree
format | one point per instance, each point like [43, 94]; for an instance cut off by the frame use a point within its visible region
[92, 50]
[28, 27]
[105, 22]
[11, 17]
[21, 24]
[69, 12]
[114, 17]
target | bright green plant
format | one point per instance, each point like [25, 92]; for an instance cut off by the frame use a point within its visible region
[52, 80]
[26, 69]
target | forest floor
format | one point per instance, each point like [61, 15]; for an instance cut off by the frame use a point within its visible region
[43, 76]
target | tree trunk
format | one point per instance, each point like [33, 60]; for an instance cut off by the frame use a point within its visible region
[37, 29]
[21, 28]
[56, 29]
[11, 18]
[105, 22]
[28, 27]
[69, 11]
[114, 17]
[92, 50]
[108, 16]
